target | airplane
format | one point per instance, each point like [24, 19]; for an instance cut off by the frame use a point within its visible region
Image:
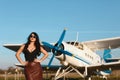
[81, 57]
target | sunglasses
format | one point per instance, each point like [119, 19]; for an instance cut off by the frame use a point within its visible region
[32, 36]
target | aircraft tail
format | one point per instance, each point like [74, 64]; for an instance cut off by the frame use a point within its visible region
[107, 55]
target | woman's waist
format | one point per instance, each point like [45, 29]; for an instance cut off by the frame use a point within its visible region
[32, 63]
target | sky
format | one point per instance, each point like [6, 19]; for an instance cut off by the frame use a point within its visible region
[92, 19]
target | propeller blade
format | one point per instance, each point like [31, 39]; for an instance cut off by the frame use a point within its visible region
[56, 47]
[47, 44]
[50, 61]
[66, 52]
[61, 38]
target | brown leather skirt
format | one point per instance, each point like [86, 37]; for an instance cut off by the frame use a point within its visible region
[33, 71]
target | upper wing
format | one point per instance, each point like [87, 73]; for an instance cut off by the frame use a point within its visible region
[103, 43]
[15, 47]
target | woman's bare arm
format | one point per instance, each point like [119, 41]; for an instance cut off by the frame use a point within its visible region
[44, 56]
[18, 55]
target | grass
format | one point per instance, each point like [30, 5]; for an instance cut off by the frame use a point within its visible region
[13, 77]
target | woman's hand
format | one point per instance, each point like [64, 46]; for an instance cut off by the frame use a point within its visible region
[24, 63]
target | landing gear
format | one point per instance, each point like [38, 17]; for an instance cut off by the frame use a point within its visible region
[88, 78]
[104, 78]
[63, 72]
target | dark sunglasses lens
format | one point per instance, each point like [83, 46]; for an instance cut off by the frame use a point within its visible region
[33, 36]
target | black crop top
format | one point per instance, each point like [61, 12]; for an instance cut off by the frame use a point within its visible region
[30, 56]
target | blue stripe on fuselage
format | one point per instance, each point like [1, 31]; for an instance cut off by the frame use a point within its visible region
[82, 60]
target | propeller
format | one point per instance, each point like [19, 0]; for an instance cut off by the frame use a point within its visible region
[57, 48]
[61, 38]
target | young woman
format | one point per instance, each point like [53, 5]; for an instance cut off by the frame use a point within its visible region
[31, 49]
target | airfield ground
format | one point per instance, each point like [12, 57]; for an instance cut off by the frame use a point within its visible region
[50, 76]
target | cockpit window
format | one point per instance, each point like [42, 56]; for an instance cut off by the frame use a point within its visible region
[76, 44]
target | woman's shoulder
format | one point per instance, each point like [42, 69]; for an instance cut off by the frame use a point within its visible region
[22, 46]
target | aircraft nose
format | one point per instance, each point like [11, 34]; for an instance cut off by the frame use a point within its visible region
[56, 50]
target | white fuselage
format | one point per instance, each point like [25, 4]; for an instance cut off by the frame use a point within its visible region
[81, 57]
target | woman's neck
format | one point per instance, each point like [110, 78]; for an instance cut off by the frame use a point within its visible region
[32, 43]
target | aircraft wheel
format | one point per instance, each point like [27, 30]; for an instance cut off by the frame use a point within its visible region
[87, 78]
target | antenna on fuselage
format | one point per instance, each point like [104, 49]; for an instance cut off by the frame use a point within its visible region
[77, 36]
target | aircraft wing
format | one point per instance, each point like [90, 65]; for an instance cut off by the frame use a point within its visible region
[112, 59]
[106, 66]
[15, 47]
[45, 67]
[109, 43]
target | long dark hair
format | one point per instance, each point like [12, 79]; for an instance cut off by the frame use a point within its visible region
[37, 42]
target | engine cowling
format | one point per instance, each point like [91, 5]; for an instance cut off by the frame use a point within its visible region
[64, 63]
[57, 52]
